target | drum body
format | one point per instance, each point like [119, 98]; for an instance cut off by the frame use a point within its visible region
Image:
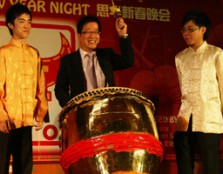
[110, 131]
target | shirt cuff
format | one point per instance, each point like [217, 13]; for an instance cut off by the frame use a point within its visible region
[124, 36]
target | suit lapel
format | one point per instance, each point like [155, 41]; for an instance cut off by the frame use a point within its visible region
[78, 69]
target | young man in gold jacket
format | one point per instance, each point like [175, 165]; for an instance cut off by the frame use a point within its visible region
[23, 102]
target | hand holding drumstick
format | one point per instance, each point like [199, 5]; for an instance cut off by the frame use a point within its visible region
[121, 27]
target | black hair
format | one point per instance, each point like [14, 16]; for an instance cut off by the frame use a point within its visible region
[200, 18]
[87, 19]
[15, 11]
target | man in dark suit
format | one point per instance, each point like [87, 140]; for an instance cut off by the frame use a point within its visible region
[73, 77]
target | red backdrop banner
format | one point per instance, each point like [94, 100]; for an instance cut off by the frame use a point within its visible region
[154, 26]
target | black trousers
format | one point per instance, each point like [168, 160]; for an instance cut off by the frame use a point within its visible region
[208, 145]
[17, 143]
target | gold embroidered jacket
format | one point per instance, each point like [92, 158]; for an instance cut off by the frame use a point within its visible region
[22, 84]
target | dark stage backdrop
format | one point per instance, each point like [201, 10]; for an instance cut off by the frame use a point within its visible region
[154, 26]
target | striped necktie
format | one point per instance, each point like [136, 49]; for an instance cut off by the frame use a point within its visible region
[90, 72]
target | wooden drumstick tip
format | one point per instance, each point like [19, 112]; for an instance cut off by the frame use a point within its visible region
[117, 13]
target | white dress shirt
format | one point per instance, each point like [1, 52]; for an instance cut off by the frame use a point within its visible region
[99, 73]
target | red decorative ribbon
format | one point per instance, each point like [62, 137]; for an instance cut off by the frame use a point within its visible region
[119, 142]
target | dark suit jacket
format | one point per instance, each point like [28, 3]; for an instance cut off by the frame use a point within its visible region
[71, 79]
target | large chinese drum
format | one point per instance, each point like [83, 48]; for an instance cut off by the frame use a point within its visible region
[110, 131]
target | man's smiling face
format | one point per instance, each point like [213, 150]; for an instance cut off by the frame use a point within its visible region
[89, 36]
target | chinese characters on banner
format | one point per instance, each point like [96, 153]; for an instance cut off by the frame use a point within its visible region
[154, 28]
